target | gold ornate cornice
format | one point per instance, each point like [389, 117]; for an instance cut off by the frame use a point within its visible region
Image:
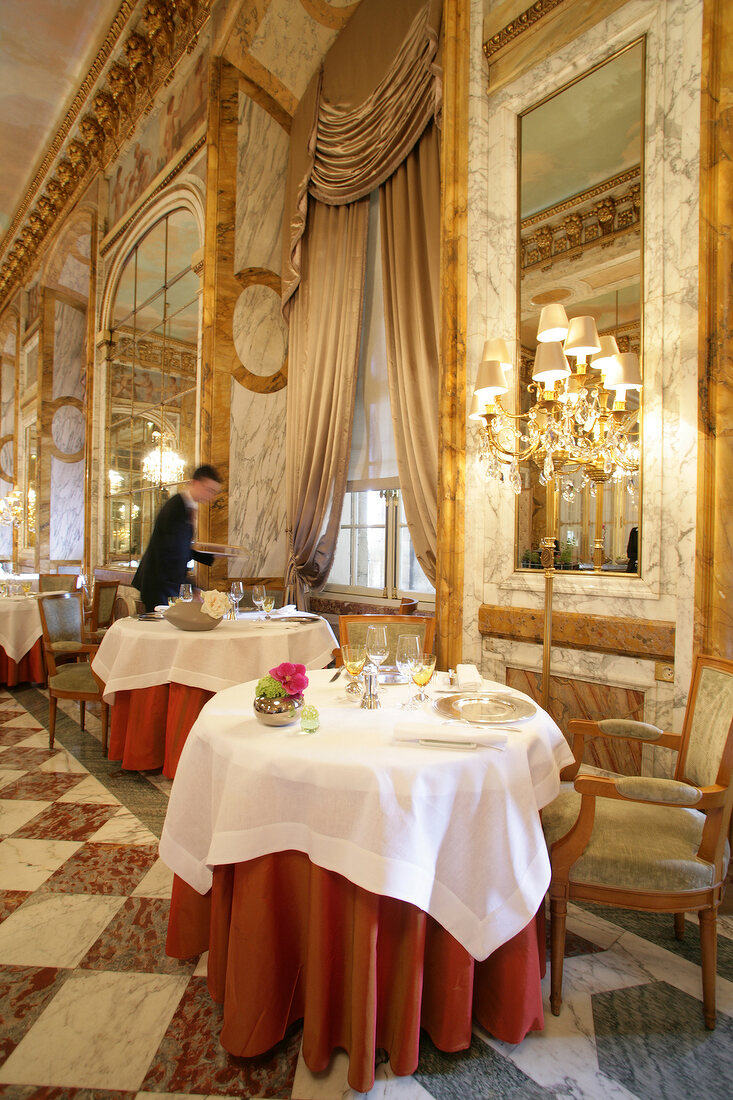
[167, 30]
[517, 26]
[628, 176]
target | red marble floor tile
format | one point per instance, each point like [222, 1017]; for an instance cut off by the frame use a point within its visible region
[103, 869]
[191, 1059]
[28, 758]
[67, 821]
[24, 993]
[9, 711]
[11, 735]
[10, 900]
[135, 940]
[44, 786]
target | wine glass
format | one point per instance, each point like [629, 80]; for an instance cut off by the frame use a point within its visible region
[236, 592]
[422, 674]
[354, 660]
[268, 602]
[408, 656]
[376, 644]
[185, 593]
[258, 595]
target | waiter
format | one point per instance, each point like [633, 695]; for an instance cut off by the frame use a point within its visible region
[164, 565]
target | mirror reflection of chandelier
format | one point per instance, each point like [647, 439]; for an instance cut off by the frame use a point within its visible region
[162, 465]
[11, 508]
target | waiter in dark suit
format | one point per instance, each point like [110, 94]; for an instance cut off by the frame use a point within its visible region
[164, 565]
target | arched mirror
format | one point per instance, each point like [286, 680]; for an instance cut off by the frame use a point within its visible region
[580, 217]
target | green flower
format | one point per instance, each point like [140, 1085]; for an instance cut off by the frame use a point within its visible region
[269, 687]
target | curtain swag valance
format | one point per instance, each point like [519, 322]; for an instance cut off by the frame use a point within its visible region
[345, 143]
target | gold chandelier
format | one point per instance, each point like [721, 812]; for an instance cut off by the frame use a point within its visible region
[12, 508]
[162, 465]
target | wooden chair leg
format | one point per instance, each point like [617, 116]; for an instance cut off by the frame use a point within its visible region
[709, 952]
[51, 720]
[82, 712]
[105, 724]
[558, 913]
[679, 926]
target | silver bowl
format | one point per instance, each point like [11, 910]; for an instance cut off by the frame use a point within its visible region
[277, 712]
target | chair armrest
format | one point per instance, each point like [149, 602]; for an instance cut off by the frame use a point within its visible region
[659, 792]
[618, 728]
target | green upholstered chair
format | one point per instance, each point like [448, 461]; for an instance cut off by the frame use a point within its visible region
[353, 628]
[68, 658]
[102, 610]
[57, 582]
[658, 845]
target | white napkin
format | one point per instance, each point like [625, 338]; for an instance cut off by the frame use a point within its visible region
[468, 677]
[283, 611]
[450, 733]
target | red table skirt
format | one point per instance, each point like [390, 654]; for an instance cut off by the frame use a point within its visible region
[149, 726]
[29, 669]
[290, 940]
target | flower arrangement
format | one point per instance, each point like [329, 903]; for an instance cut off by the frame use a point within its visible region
[286, 679]
[215, 603]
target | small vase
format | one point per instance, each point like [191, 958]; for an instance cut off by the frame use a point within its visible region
[277, 712]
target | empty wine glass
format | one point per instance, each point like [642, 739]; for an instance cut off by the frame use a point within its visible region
[408, 656]
[258, 595]
[422, 674]
[185, 593]
[376, 644]
[236, 592]
[354, 660]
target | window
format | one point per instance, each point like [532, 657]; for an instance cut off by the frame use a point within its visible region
[152, 381]
[374, 554]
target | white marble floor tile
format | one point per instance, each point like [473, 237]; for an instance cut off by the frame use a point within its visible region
[100, 1031]
[15, 812]
[562, 1058]
[157, 883]
[333, 1084]
[201, 970]
[22, 721]
[37, 740]
[63, 762]
[55, 929]
[123, 828]
[161, 783]
[9, 775]
[664, 966]
[90, 791]
[612, 969]
[26, 864]
[586, 923]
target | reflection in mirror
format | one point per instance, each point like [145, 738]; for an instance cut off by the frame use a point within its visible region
[580, 187]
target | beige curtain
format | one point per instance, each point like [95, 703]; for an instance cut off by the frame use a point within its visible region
[410, 216]
[325, 324]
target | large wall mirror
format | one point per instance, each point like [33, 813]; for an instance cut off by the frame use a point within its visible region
[580, 217]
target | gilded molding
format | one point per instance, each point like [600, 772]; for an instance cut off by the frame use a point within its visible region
[594, 192]
[519, 25]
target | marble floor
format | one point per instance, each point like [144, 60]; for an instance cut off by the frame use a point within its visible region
[91, 1007]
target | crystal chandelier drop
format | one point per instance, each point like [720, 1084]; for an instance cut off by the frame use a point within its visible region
[162, 465]
[11, 508]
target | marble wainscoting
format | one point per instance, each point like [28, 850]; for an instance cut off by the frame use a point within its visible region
[257, 495]
[66, 529]
[74, 274]
[68, 351]
[262, 160]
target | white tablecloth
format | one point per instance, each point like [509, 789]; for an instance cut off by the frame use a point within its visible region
[137, 654]
[20, 625]
[454, 831]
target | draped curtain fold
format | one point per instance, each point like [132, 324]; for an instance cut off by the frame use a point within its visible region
[360, 117]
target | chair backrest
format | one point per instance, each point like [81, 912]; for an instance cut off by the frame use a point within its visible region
[706, 753]
[103, 603]
[57, 582]
[353, 628]
[61, 616]
[408, 606]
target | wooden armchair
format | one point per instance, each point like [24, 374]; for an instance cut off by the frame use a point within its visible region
[657, 845]
[62, 619]
[57, 582]
[102, 610]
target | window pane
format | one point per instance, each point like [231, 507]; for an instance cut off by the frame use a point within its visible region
[370, 546]
[341, 569]
[411, 577]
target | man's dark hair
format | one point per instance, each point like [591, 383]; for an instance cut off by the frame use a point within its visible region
[203, 473]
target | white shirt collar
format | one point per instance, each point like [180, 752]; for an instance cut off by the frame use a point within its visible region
[190, 502]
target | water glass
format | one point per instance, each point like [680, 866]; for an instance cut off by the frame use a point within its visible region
[409, 652]
[376, 644]
[258, 595]
[236, 592]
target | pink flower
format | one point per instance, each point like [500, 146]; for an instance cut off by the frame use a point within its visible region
[292, 677]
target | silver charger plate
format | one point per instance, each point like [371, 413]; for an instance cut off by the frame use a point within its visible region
[485, 708]
[391, 675]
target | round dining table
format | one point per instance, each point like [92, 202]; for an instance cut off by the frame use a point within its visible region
[383, 874]
[157, 677]
[21, 653]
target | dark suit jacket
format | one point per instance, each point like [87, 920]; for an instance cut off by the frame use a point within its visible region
[163, 566]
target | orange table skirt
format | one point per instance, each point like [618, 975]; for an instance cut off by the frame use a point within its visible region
[29, 669]
[149, 726]
[289, 940]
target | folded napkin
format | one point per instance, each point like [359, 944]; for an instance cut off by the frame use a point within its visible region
[450, 733]
[468, 677]
[282, 611]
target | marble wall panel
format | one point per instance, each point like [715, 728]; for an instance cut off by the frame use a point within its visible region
[67, 429]
[665, 589]
[262, 160]
[257, 482]
[68, 351]
[66, 527]
[7, 396]
[259, 332]
[289, 43]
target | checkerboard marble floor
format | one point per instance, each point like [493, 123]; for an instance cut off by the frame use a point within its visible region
[91, 1007]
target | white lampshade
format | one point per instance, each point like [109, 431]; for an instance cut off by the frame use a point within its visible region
[582, 338]
[478, 407]
[550, 364]
[553, 323]
[628, 376]
[605, 359]
[496, 348]
[489, 381]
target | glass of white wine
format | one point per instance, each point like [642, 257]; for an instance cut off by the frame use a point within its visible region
[236, 592]
[409, 653]
[258, 595]
[268, 602]
[185, 593]
[354, 660]
[422, 674]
